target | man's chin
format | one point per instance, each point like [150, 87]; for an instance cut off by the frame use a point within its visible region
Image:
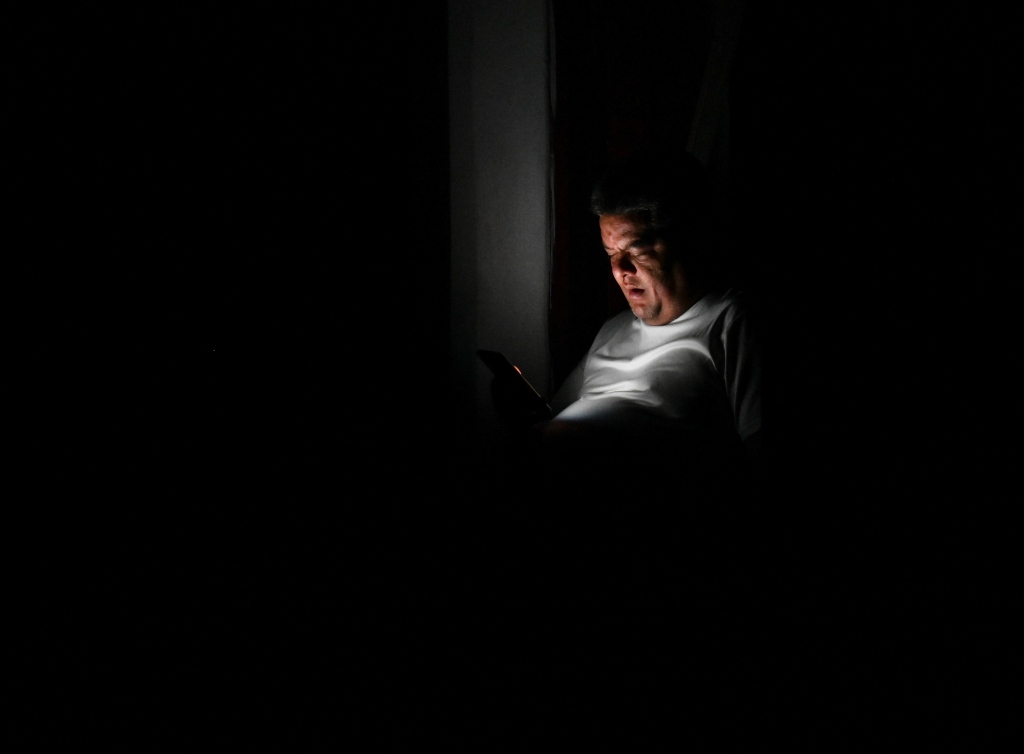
[649, 317]
[642, 311]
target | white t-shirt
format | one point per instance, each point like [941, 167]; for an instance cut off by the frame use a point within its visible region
[700, 373]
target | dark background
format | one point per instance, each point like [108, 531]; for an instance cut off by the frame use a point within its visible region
[867, 151]
[257, 205]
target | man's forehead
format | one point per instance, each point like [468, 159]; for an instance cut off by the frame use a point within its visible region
[632, 224]
[625, 230]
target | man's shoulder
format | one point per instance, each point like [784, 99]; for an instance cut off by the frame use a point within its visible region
[729, 296]
[734, 303]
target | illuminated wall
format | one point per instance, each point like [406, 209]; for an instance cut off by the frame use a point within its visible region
[500, 195]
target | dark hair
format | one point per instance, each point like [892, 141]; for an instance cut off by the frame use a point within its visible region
[671, 191]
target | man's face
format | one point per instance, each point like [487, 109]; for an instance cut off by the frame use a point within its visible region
[645, 269]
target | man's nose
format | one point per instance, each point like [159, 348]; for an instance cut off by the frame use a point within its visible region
[623, 265]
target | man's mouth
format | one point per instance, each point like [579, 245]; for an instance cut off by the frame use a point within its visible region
[632, 292]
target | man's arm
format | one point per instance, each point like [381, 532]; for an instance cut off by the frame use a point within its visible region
[741, 369]
[569, 392]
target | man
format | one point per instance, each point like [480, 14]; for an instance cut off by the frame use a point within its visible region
[628, 536]
[676, 377]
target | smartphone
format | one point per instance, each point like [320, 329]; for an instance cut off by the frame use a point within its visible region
[512, 392]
